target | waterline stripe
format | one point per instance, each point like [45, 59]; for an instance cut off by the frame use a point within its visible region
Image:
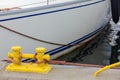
[59, 49]
[3, 20]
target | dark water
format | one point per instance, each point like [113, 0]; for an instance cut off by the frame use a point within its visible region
[97, 51]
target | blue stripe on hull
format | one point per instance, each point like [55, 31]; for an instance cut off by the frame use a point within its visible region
[62, 48]
[2, 20]
[59, 49]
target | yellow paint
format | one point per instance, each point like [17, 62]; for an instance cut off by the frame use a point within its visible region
[105, 68]
[16, 54]
[25, 55]
[41, 65]
[29, 67]
[40, 57]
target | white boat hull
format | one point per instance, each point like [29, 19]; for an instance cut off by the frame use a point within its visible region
[68, 24]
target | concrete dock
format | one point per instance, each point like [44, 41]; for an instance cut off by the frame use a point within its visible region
[61, 72]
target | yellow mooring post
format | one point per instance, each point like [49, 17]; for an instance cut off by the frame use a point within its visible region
[41, 65]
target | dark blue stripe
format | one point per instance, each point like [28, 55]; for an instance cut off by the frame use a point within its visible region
[59, 49]
[49, 11]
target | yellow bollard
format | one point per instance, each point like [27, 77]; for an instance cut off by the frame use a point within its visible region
[41, 67]
[16, 57]
[41, 57]
[24, 55]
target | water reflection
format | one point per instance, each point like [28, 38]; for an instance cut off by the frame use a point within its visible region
[96, 52]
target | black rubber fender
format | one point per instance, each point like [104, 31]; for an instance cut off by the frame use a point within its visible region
[115, 8]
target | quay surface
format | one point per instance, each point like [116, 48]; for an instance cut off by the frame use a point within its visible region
[61, 72]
